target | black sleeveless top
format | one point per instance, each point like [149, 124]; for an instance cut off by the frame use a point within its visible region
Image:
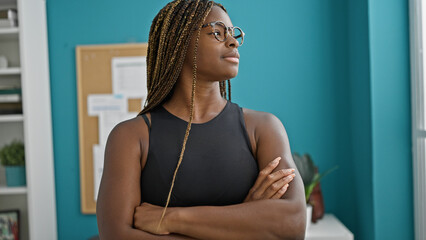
[217, 169]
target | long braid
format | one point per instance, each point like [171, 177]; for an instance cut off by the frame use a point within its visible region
[222, 89]
[229, 89]
[169, 38]
[191, 115]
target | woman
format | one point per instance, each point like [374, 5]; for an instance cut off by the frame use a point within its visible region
[188, 166]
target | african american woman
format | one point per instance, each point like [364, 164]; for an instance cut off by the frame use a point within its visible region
[193, 164]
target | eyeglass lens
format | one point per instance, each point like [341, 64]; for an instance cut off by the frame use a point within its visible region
[219, 30]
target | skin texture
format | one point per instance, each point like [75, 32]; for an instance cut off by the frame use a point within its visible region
[274, 207]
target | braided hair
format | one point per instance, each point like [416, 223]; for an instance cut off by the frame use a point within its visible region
[169, 38]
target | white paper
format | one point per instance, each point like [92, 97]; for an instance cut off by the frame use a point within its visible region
[97, 103]
[129, 76]
[98, 167]
[108, 120]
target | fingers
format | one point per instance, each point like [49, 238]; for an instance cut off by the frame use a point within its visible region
[280, 192]
[265, 172]
[278, 186]
[271, 184]
[274, 177]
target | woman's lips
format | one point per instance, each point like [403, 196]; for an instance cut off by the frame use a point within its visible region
[232, 59]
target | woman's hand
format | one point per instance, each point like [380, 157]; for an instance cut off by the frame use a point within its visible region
[270, 185]
[147, 217]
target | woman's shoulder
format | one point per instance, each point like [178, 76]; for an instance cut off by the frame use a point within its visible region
[132, 124]
[259, 125]
[133, 128]
[259, 118]
[132, 135]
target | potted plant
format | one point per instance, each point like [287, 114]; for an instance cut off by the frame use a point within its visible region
[311, 179]
[12, 156]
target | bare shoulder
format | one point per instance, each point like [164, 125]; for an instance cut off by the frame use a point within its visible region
[131, 128]
[260, 125]
[270, 138]
[259, 120]
[132, 136]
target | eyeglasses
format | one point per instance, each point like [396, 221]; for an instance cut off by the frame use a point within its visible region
[221, 32]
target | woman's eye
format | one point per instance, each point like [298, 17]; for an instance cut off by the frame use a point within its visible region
[217, 33]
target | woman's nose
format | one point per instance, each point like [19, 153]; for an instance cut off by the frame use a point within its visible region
[231, 41]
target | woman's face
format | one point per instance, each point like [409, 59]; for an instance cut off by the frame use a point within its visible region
[216, 61]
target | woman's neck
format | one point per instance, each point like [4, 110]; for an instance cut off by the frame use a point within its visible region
[207, 102]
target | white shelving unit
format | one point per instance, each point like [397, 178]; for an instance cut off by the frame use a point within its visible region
[11, 118]
[26, 49]
[9, 31]
[12, 190]
[10, 71]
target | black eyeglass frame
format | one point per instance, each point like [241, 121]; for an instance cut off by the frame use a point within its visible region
[227, 30]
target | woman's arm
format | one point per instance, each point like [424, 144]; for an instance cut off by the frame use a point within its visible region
[264, 219]
[119, 192]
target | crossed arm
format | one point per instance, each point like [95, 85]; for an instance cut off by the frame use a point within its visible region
[282, 218]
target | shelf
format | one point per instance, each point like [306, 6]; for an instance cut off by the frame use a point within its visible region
[6, 31]
[9, 33]
[10, 71]
[12, 190]
[8, 3]
[11, 118]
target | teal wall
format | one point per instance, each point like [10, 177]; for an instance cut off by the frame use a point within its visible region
[359, 120]
[335, 72]
[391, 131]
[72, 23]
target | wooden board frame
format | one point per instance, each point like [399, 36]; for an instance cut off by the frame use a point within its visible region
[94, 76]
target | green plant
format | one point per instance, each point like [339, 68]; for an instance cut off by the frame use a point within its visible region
[306, 168]
[13, 154]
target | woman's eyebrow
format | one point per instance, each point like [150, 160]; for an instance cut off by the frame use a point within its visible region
[218, 21]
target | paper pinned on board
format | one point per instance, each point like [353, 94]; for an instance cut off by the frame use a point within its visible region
[97, 103]
[108, 120]
[98, 167]
[129, 76]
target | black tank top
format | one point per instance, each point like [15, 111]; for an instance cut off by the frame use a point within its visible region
[217, 169]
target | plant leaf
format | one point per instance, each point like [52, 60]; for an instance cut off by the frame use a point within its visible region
[309, 188]
[305, 166]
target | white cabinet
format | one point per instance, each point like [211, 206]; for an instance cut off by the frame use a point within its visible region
[328, 228]
[26, 49]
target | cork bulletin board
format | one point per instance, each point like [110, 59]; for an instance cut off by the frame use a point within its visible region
[94, 76]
